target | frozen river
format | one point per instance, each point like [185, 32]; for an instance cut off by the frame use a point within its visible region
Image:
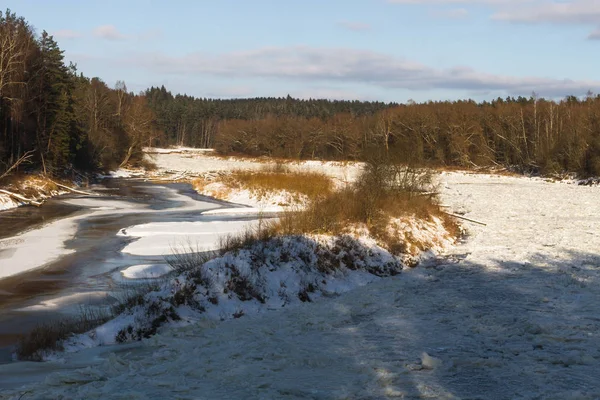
[72, 251]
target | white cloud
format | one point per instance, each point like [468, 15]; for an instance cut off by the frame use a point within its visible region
[355, 26]
[456, 13]
[108, 32]
[349, 66]
[66, 34]
[567, 12]
[576, 12]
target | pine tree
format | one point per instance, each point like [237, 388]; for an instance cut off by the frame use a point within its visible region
[52, 105]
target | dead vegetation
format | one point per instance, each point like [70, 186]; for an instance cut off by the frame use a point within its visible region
[49, 336]
[272, 178]
[29, 185]
[383, 193]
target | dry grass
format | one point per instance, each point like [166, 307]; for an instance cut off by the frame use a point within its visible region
[310, 184]
[272, 178]
[382, 193]
[265, 230]
[49, 336]
[373, 198]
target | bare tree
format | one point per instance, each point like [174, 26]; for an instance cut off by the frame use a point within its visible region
[138, 125]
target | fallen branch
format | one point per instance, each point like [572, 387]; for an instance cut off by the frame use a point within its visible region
[465, 218]
[70, 189]
[24, 157]
[182, 176]
[22, 198]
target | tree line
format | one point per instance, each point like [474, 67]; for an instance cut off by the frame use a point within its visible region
[186, 120]
[532, 134]
[55, 119]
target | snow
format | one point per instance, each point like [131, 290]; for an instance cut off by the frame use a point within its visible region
[281, 272]
[6, 202]
[36, 247]
[161, 238]
[510, 313]
[275, 201]
[243, 210]
[202, 162]
[146, 271]
[33, 249]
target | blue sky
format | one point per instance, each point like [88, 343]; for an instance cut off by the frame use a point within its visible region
[388, 50]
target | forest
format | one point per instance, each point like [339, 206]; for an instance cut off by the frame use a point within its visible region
[54, 119]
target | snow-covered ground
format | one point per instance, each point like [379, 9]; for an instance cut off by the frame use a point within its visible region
[200, 161]
[511, 313]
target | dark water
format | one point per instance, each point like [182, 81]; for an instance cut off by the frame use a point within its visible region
[93, 266]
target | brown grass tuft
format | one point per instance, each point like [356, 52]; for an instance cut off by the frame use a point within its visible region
[310, 184]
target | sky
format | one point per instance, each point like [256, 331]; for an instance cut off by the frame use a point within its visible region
[385, 50]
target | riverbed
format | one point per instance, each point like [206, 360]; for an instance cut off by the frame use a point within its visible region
[69, 253]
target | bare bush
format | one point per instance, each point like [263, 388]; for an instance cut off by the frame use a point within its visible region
[187, 256]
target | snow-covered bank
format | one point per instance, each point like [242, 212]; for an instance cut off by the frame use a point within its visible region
[208, 172]
[272, 201]
[35, 188]
[511, 313]
[265, 276]
[259, 277]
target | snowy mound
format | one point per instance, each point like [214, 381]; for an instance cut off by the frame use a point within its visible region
[264, 276]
